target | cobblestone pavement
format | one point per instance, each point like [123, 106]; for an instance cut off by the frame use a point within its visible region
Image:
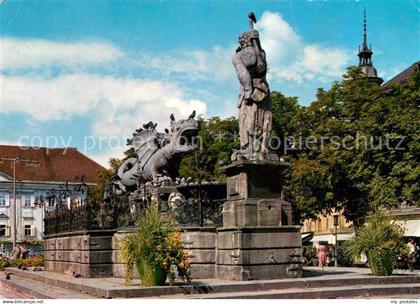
[8, 293]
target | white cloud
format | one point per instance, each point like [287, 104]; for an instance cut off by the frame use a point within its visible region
[214, 64]
[116, 105]
[326, 62]
[11, 142]
[291, 59]
[32, 53]
[278, 39]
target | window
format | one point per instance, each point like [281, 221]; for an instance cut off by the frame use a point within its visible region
[50, 201]
[28, 230]
[2, 230]
[2, 200]
[27, 200]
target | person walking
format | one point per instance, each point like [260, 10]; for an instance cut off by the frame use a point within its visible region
[413, 252]
[321, 252]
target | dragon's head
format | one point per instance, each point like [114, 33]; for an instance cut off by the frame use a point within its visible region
[183, 133]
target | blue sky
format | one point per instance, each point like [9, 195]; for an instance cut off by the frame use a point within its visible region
[87, 73]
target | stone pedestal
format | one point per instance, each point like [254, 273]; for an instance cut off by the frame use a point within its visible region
[258, 240]
[118, 267]
[200, 243]
[86, 253]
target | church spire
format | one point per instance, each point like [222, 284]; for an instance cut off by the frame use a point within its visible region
[364, 30]
[365, 56]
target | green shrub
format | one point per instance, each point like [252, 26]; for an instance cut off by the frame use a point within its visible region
[381, 240]
[15, 262]
[35, 261]
[155, 248]
[4, 262]
[343, 259]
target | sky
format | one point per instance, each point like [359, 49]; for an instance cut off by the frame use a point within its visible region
[87, 73]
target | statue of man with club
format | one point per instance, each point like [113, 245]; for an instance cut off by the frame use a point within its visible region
[254, 103]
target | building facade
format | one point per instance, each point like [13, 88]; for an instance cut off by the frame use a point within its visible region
[42, 176]
[325, 231]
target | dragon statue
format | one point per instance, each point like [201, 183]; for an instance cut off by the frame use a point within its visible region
[158, 155]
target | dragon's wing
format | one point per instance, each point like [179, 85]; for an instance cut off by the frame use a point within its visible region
[145, 143]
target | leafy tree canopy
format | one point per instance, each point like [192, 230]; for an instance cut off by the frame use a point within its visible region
[360, 148]
[216, 140]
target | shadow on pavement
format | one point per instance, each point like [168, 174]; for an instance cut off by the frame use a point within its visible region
[317, 273]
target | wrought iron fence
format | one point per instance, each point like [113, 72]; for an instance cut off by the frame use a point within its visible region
[200, 206]
[203, 206]
[191, 213]
[61, 218]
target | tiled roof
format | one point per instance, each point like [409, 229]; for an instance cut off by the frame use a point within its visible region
[402, 77]
[54, 165]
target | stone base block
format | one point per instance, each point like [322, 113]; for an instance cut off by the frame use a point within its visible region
[258, 272]
[200, 244]
[259, 253]
[87, 253]
[201, 256]
[259, 256]
[257, 212]
[118, 271]
[119, 236]
[198, 271]
[84, 270]
[254, 179]
[259, 237]
[194, 238]
[203, 271]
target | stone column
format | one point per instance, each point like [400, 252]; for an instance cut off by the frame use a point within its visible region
[258, 240]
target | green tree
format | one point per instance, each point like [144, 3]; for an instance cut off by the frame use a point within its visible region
[284, 109]
[216, 140]
[343, 170]
[106, 175]
[390, 173]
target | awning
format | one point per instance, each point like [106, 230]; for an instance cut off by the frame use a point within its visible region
[330, 238]
[343, 237]
[321, 238]
[307, 237]
[306, 234]
[412, 227]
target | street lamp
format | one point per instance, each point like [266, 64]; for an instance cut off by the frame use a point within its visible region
[335, 215]
[41, 203]
[14, 161]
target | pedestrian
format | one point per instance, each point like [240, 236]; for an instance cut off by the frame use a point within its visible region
[413, 252]
[321, 252]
